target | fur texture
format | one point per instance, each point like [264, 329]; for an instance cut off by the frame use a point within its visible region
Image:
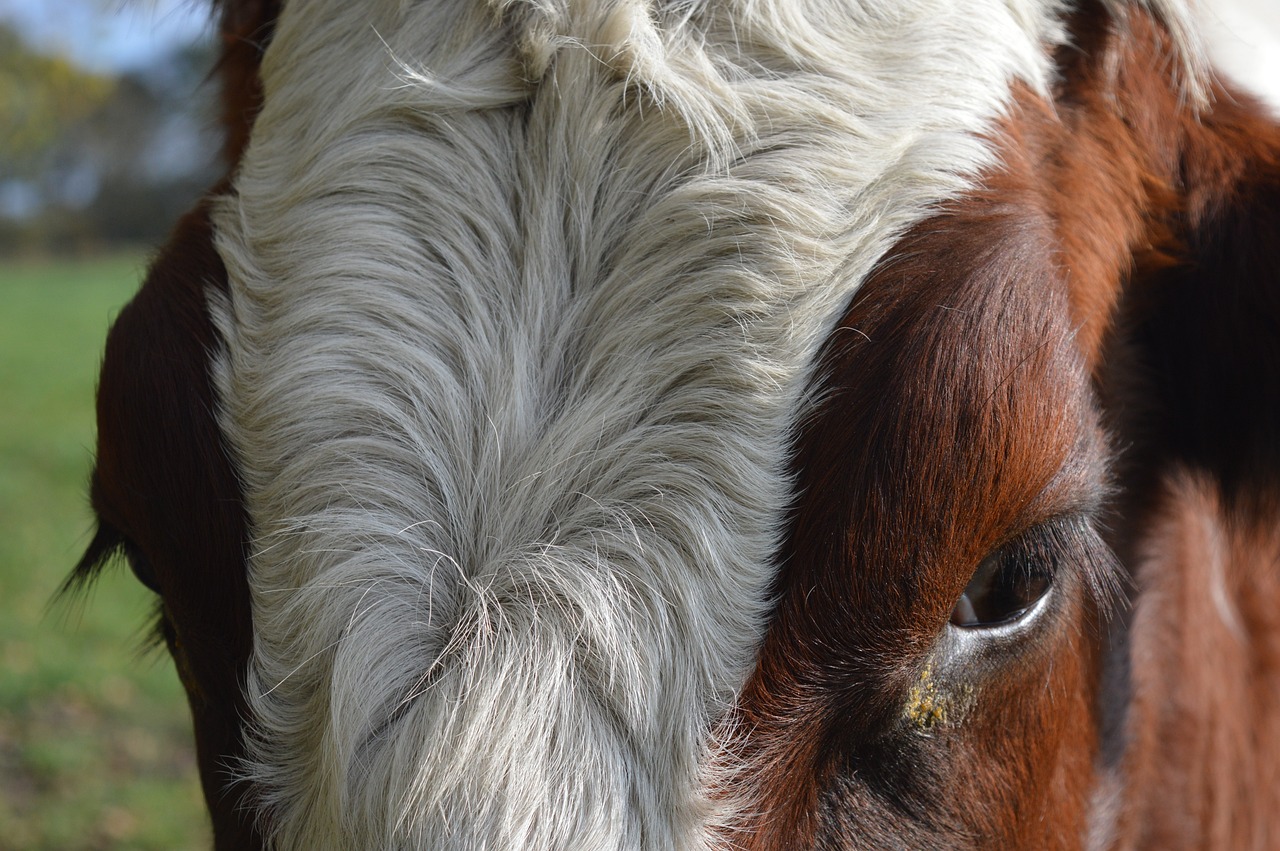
[523, 304]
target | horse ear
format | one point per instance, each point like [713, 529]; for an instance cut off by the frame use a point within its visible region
[1200, 332]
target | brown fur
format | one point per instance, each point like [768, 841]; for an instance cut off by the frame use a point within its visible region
[245, 28]
[1150, 231]
[1202, 734]
[957, 419]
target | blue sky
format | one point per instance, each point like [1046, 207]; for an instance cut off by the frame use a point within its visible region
[107, 35]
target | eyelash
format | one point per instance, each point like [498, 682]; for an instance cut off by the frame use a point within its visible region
[107, 545]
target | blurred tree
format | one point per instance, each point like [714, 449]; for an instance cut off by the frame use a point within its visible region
[40, 98]
[93, 160]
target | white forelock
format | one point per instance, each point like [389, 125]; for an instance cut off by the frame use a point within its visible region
[524, 303]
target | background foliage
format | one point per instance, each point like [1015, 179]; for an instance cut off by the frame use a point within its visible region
[93, 160]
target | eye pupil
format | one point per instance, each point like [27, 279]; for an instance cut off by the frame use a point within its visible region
[1006, 584]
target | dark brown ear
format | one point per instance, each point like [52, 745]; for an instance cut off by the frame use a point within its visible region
[1199, 336]
[1191, 385]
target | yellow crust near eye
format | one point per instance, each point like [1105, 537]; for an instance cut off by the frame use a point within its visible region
[931, 703]
[926, 706]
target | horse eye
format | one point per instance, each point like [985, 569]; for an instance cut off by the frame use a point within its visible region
[140, 566]
[1004, 588]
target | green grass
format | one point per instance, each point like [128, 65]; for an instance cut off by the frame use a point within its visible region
[95, 740]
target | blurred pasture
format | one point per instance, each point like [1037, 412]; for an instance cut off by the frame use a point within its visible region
[95, 741]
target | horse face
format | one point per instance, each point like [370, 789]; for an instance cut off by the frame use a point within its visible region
[562, 430]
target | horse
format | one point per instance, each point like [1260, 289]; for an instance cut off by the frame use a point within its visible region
[708, 424]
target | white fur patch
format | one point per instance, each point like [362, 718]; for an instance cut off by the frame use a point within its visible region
[524, 302]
